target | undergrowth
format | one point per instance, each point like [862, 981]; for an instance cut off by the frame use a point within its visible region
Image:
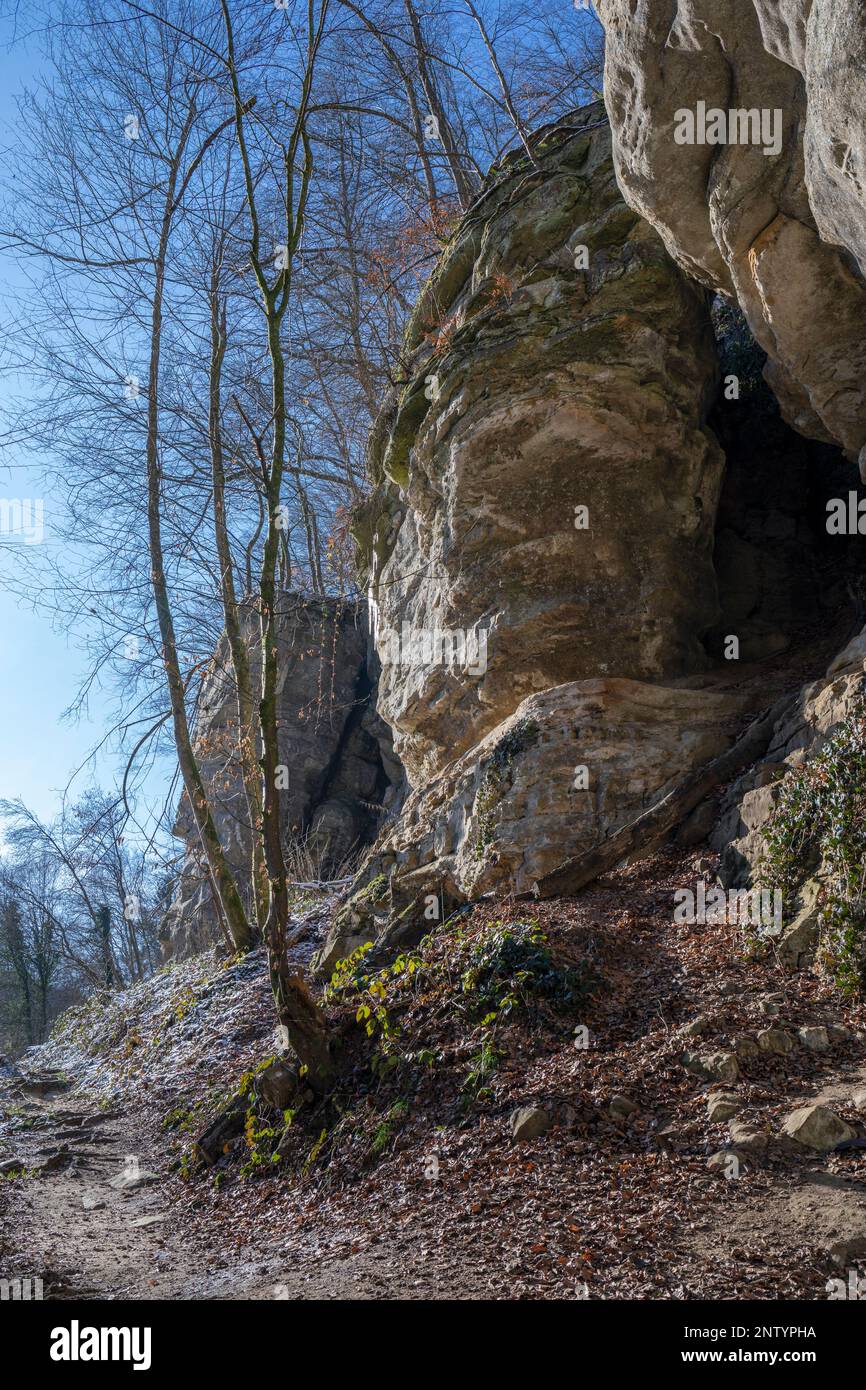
[819, 826]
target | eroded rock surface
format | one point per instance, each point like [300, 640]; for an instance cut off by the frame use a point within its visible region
[748, 806]
[539, 547]
[536, 388]
[783, 232]
[568, 768]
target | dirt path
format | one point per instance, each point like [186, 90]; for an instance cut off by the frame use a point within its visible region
[100, 1221]
[87, 1225]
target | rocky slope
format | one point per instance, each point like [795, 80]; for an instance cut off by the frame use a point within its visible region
[420, 1182]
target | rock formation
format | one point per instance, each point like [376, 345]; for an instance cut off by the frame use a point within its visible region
[340, 770]
[539, 544]
[549, 486]
[739, 134]
[557, 548]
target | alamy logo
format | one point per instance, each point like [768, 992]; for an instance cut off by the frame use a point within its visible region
[855, 1289]
[713, 126]
[77, 1343]
[24, 518]
[756, 907]
[846, 516]
[20, 1290]
[440, 646]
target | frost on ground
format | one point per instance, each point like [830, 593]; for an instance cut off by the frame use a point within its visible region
[598, 1019]
[192, 1024]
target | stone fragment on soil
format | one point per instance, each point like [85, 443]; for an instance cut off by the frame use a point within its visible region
[621, 1107]
[747, 1139]
[697, 1026]
[816, 1127]
[816, 1039]
[858, 1099]
[528, 1122]
[130, 1182]
[776, 1041]
[722, 1107]
[92, 1203]
[721, 1066]
[277, 1085]
[728, 1161]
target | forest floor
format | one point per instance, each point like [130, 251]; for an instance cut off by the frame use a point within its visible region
[410, 1185]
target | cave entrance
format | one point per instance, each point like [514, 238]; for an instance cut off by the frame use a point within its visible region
[786, 584]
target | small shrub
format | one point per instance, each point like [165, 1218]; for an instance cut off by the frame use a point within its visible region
[820, 819]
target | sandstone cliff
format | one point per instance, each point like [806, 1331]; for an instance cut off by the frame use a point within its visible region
[779, 226]
[559, 551]
[339, 768]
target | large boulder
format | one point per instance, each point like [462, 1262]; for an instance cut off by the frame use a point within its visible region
[565, 770]
[775, 220]
[547, 486]
[816, 1127]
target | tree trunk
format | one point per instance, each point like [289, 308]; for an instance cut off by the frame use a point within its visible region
[231, 900]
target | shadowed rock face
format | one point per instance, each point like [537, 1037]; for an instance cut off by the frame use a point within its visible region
[334, 747]
[542, 381]
[783, 233]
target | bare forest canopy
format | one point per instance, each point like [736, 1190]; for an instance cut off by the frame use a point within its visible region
[221, 214]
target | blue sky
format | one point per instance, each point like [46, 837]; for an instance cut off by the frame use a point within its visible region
[40, 668]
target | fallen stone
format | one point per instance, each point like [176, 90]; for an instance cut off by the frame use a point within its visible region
[858, 1099]
[697, 1026]
[776, 1041]
[771, 1008]
[721, 1108]
[92, 1203]
[816, 1127]
[837, 1033]
[728, 1161]
[12, 1165]
[621, 1107]
[815, 1038]
[155, 1220]
[746, 1048]
[278, 1085]
[528, 1122]
[748, 1139]
[721, 1066]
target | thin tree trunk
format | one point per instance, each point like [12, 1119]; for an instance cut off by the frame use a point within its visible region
[463, 185]
[248, 726]
[232, 903]
[506, 91]
[298, 1014]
